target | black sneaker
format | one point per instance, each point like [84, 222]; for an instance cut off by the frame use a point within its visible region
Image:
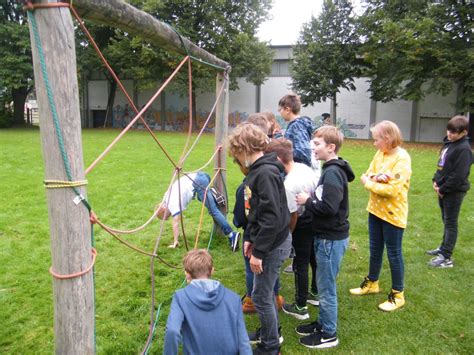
[292, 309]
[234, 241]
[255, 338]
[260, 350]
[309, 328]
[319, 341]
[313, 299]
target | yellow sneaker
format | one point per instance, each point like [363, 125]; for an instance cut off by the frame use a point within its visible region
[396, 299]
[366, 287]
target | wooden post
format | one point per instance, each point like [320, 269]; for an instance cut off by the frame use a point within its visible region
[222, 114]
[69, 223]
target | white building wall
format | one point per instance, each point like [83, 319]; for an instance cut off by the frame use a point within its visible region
[98, 92]
[396, 111]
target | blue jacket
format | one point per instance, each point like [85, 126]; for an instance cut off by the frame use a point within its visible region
[207, 318]
[299, 131]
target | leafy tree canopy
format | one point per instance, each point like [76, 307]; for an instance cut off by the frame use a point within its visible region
[416, 47]
[324, 58]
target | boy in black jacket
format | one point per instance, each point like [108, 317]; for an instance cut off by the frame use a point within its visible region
[267, 240]
[451, 182]
[329, 208]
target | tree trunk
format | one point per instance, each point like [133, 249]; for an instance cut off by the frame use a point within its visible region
[333, 109]
[110, 103]
[19, 98]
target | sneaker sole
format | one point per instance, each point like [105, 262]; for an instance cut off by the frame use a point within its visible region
[256, 342]
[322, 345]
[441, 266]
[235, 245]
[296, 315]
[313, 303]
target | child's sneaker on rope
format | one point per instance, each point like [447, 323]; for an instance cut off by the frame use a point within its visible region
[313, 299]
[280, 301]
[309, 328]
[396, 299]
[433, 252]
[255, 338]
[234, 241]
[247, 305]
[366, 287]
[320, 340]
[300, 313]
[440, 261]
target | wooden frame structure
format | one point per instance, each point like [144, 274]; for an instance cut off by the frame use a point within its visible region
[74, 308]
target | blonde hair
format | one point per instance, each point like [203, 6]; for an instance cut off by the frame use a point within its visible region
[389, 132]
[247, 138]
[198, 263]
[331, 135]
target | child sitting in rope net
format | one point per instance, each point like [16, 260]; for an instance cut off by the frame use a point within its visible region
[180, 194]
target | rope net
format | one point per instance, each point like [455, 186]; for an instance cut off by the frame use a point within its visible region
[177, 165]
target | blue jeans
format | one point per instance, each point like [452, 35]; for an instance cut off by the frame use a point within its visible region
[329, 255]
[200, 183]
[263, 295]
[382, 233]
[249, 276]
[450, 206]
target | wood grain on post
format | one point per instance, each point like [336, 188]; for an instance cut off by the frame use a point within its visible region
[69, 223]
[221, 128]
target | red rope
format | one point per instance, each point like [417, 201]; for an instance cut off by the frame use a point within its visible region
[77, 274]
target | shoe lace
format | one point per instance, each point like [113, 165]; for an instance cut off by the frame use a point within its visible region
[391, 297]
[364, 283]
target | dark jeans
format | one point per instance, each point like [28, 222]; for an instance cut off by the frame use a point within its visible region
[382, 233]
[304, 256]
[263, 295]
[450, 206]
[249, 276]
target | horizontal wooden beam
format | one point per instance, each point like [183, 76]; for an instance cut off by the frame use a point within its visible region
[119, 14]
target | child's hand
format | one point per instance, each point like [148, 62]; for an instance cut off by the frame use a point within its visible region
[383, 178]
[256, 265]
[363, 179]
[248, 247]
[301, 198]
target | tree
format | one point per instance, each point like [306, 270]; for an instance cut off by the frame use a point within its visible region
[417, 47]
[225, 28]
[16, 69]
[325, 55]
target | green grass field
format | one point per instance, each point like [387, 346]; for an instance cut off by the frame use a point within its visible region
[123, 191]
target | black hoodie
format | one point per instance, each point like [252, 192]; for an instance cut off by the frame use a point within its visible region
[329, 207]
[266, 207]
[454, 164]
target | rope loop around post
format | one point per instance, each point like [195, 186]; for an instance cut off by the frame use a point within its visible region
[77, 274]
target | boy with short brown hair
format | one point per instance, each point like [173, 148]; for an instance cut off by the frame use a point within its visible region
[197, 308]
[451, 183]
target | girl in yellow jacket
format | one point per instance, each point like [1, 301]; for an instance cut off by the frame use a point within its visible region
[388, 181]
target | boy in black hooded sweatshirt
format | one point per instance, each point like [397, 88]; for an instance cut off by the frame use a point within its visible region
[268, 241]
[330, 211]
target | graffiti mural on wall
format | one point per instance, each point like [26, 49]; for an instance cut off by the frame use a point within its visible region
[318, 121]
[173, 119]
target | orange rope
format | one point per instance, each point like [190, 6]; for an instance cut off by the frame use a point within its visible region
[77, 274]
[117, 80]
[106, 151]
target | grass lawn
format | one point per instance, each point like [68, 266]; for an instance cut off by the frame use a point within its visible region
[123, 190]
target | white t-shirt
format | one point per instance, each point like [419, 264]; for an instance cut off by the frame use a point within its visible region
[186, 188]
[301, 178]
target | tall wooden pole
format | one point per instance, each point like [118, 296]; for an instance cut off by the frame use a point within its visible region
[222, 122]
[69, 223]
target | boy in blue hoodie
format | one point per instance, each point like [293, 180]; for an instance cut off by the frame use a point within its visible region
[205, 316]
